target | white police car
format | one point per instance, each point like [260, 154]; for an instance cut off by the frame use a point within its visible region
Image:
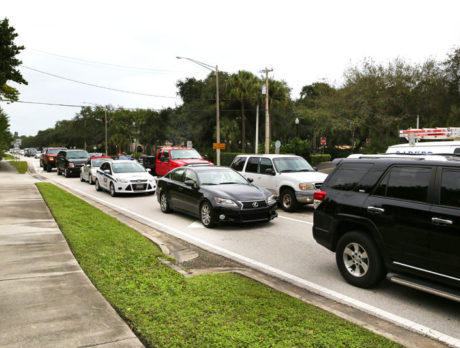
[123, 176]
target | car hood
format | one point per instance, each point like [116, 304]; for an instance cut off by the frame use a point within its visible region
[238, 192]
[184, 162]
[306, 176]
[133, 176]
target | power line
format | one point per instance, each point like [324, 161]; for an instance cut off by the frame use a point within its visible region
[97, 86]
[53, 104]
[102, 63]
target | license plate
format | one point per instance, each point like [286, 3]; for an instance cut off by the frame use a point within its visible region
[139, 187]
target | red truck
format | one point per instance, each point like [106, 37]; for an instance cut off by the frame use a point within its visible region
[169, 158]
[48, 159]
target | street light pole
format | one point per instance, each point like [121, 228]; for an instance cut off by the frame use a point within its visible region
[267, 114]
[297, 126]
[105, 127]
[216, 69]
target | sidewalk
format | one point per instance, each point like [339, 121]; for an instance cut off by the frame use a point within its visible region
[45, 298]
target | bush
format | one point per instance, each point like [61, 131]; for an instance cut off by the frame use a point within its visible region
[317, 159]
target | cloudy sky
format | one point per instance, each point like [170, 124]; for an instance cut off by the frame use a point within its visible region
[132, 46]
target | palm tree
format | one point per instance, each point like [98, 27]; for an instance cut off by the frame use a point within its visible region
[244, 86]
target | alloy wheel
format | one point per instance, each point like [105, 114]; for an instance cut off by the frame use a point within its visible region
[355, 259]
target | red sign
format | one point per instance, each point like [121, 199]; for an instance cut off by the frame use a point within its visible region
[323, 141]
[368, 141]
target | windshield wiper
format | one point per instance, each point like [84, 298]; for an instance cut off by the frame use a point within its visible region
[287, 171]
[230, 182]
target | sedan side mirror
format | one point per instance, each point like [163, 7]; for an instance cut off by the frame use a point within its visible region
[250, 179]
[149, 170]
[190, 183]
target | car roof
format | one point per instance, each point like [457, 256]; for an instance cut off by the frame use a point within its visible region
[98, 157]
[176, 148]
[272, 156]
[432, 160]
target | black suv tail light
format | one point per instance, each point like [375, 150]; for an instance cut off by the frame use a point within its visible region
[319, 195]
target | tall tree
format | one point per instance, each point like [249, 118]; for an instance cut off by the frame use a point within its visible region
[244, 86]
[9, 62]
[5, 135]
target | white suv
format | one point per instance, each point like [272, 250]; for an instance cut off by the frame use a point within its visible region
[289, 177]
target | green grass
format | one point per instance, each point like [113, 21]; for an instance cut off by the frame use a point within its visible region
[8, 157]
[21, 166]
[167, 310]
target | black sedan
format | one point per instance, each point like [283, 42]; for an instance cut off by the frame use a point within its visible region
[214, 194]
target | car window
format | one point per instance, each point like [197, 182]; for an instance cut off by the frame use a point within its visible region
[450, 188]
[177, 175]
[253, 164]
[77, 154]
[128, 167]
[190, 175]
[105, 166]
[265, 163]
[165, 155]
[238, 163]
[159, 154]
[348, 175]
[409, 183]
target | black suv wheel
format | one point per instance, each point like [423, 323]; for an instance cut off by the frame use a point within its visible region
[358, 259]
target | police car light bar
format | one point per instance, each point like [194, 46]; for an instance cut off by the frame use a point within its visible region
[430, 133]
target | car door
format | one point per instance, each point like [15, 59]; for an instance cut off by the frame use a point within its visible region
[105, 182]
[86, 170]
[400, 209]
[444, 232]
[190, 195]
[175, 188]
[251, 170]
[267, 175]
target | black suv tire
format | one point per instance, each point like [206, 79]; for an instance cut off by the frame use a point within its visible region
[359, 260]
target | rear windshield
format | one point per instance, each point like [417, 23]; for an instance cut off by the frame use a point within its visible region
[77, 154]
[184, 153]
[347, 176]
[53, 151]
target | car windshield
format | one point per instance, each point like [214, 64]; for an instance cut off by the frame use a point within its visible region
[53, 151]
[292, 164]
[221, 177]
[77, 154]
[99, 161]
[184, 153]
[128, 167]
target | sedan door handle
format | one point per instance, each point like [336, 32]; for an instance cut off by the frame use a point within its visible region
[372, 209]
[436, 220]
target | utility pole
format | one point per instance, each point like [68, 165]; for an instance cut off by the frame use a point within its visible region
[217, 115]
[267, 114]
[257, 130]
[106, 148]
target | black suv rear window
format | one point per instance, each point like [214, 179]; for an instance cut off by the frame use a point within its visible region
[348, 175]
[450, 188]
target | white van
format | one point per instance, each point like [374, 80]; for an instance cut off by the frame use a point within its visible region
[427, 148]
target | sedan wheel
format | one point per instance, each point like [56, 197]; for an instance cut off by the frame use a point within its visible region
[113, 193]
[164, 204]
[206, 215]
[98, 187]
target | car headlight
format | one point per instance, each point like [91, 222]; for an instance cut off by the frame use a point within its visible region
[123, 181]
[271, 199]
[306, 186]
[225, 202]
[71, 165]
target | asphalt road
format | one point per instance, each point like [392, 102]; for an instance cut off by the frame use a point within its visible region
[285, 247]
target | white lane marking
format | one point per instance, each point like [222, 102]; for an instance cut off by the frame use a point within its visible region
[195, 224]
[315, 288]
[296, 220]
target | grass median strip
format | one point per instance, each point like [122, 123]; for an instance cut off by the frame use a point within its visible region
[165, 309]
[21, 166]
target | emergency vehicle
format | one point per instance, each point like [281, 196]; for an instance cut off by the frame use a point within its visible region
[414, 147]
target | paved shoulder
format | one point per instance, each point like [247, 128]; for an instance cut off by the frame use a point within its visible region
[45, 298]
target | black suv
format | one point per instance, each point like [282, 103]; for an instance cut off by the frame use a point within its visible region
[69, 162]
[394, 217]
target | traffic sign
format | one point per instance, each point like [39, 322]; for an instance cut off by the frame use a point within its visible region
[218, 146]
[323, 141]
